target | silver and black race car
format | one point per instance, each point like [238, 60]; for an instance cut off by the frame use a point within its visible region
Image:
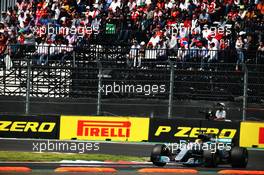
[206, 151]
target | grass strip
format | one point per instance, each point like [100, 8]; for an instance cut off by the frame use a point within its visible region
[52, 157]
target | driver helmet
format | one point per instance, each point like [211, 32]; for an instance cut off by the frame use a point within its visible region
[199, 141]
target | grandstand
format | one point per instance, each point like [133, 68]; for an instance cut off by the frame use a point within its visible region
[207, 51]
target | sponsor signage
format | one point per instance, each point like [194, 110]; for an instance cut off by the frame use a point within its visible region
[104, 128]
[252, 134]
[174, 130]
[261, 135]
[45, 127]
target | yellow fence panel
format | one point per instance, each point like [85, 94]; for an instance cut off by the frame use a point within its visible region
[104, 128]
[252, 134]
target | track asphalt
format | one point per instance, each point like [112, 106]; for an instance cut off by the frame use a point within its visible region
[256, 157]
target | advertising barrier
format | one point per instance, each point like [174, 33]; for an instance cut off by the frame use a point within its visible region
[174, 130]
[252, 134]
[43, 127]
[131, 129]
[104, 128]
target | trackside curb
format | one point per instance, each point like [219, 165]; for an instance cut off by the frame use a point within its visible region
[240, 172]
[14, 169]
[85, 169]
[167, 170]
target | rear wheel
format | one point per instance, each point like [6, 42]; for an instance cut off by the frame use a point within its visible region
[158, 151]
[239, 157]
[210, 159]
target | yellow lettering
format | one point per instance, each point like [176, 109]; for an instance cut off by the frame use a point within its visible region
[162, 129]
[227, 133]
[46, 127]
[212, 131]
[196, 131]
[18, 126]
[182, 132]
[33, 126]
[4, 125]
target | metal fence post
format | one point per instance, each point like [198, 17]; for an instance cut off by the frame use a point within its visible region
[245, 96]
[28, 86]
[74, 58]
[171, 89]
[99, 95]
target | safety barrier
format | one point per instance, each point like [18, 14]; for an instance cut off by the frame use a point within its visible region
[40, 127]
[104, 128]
[128, 129]
[174, 130]
[252, 134]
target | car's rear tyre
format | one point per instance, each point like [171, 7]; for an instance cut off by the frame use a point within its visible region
[158, 151]
[239, 157]
[210, 159]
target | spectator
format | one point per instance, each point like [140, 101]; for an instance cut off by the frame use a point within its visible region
[172, 44]
[220, 113]
[42, 53]
[261, 47]
[162, 51]
[29, 38]
[239, 49]
[131, 5]
[3, 42]
[182, 53]
[212, 54]
[154, 40]
[213, 40]
[134, 53]
[141, 54]
[3, 39]
[204, 18]
[202, 54]
[114, 5]
[260, 6]
[260, 53]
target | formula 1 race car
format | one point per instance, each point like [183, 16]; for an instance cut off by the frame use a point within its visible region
[206, 151]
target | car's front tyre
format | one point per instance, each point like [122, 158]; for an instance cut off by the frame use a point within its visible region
[158, 151]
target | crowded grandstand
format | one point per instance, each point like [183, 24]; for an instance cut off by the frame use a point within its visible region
[185, 30]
